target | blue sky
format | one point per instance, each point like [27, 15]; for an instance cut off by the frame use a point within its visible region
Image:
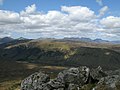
[46, 5]
[60, 18]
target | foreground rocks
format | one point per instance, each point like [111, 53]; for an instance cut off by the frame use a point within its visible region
[35, 81]
[109, 83]
[74, 79]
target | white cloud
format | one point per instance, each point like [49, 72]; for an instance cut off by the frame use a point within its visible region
[100, 2]
[79, 13]
[111, 22]
[29, 10]
[8, 17]
[103, 10]
[74, 21]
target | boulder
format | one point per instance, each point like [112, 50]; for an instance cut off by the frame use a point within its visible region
[74, 79]
[77, 76]
[108, 83]
[73, 87]
[111, 72]
[97, 73]
[54, 84]
[70, 79]
[36, 81]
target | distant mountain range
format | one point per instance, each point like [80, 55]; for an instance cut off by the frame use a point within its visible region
[93, 41]
[9, 39]
[83, 39]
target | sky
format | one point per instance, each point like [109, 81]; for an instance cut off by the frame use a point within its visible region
[60, 18]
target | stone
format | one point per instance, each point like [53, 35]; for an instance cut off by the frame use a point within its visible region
[108, 82]
[97, 73]
[111, 72]
[74, 79]
[77, 76]
[54, 84]
[36, 81]
[84, 74]
[73, 87]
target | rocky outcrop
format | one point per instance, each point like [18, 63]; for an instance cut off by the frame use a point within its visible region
[35, 81]
[72, 79]
[108, 83]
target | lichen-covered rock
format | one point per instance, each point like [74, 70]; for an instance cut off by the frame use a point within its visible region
[36, 81]
[111, 72]
[73, 87]
[81, 78]
[77, 76]
[54, 84]
[97, 73]
[70, 79]
[84, 74]
[108, 83]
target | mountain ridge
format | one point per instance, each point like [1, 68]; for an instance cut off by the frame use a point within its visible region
[84, 39]
[55, 52]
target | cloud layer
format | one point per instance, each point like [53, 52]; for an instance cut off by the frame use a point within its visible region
[74, 21]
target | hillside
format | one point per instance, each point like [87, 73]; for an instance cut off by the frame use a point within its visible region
[55, 52]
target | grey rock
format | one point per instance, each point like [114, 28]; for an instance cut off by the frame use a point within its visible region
[36, 81]
[74, 79]
[66, 80]
[97, 73]
[77, 76]
[108, 82]
[54, 84]
[111, 72]
[84, 74]
[73, 87]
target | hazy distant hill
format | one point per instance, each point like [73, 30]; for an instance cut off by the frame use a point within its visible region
[55, 52]
[116, 42]
[5, 40]
[98, 40]
[101, 41]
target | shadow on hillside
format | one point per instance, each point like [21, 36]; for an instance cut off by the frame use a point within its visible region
[11, 70]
